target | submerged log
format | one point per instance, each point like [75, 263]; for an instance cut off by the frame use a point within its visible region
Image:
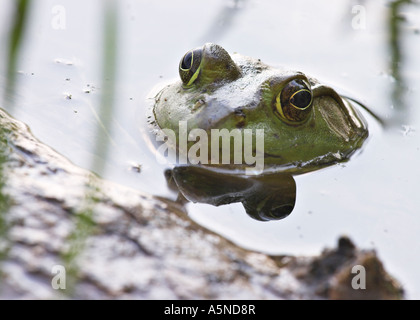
[111, 242]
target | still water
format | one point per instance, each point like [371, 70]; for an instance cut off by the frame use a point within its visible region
[358, 47]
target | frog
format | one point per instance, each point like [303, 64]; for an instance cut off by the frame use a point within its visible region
[305, 124]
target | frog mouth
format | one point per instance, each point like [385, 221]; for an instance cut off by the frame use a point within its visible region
[340, 115]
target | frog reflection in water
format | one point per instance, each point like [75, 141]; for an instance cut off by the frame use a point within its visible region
[306, 124]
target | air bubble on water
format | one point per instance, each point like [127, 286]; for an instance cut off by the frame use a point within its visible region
[64, 61]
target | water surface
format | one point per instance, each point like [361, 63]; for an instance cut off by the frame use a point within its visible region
[373, 198]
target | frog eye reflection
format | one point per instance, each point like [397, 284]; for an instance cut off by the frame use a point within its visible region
[293, 103]
[189, 66]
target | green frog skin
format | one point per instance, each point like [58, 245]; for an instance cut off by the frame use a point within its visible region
[307, 125]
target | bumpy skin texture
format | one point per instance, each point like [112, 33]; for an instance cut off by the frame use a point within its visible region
[237, 92]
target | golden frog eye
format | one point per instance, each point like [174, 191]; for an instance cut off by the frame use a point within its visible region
[189, 66]
[294, 102]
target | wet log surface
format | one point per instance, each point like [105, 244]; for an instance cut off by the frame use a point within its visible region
[116, 242]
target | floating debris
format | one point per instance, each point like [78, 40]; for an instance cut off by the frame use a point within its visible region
[136, 167]
[407, 129]
[68, 96]
[89, 88]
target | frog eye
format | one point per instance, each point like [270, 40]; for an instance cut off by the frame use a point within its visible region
[293, 103]
[189, 66]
